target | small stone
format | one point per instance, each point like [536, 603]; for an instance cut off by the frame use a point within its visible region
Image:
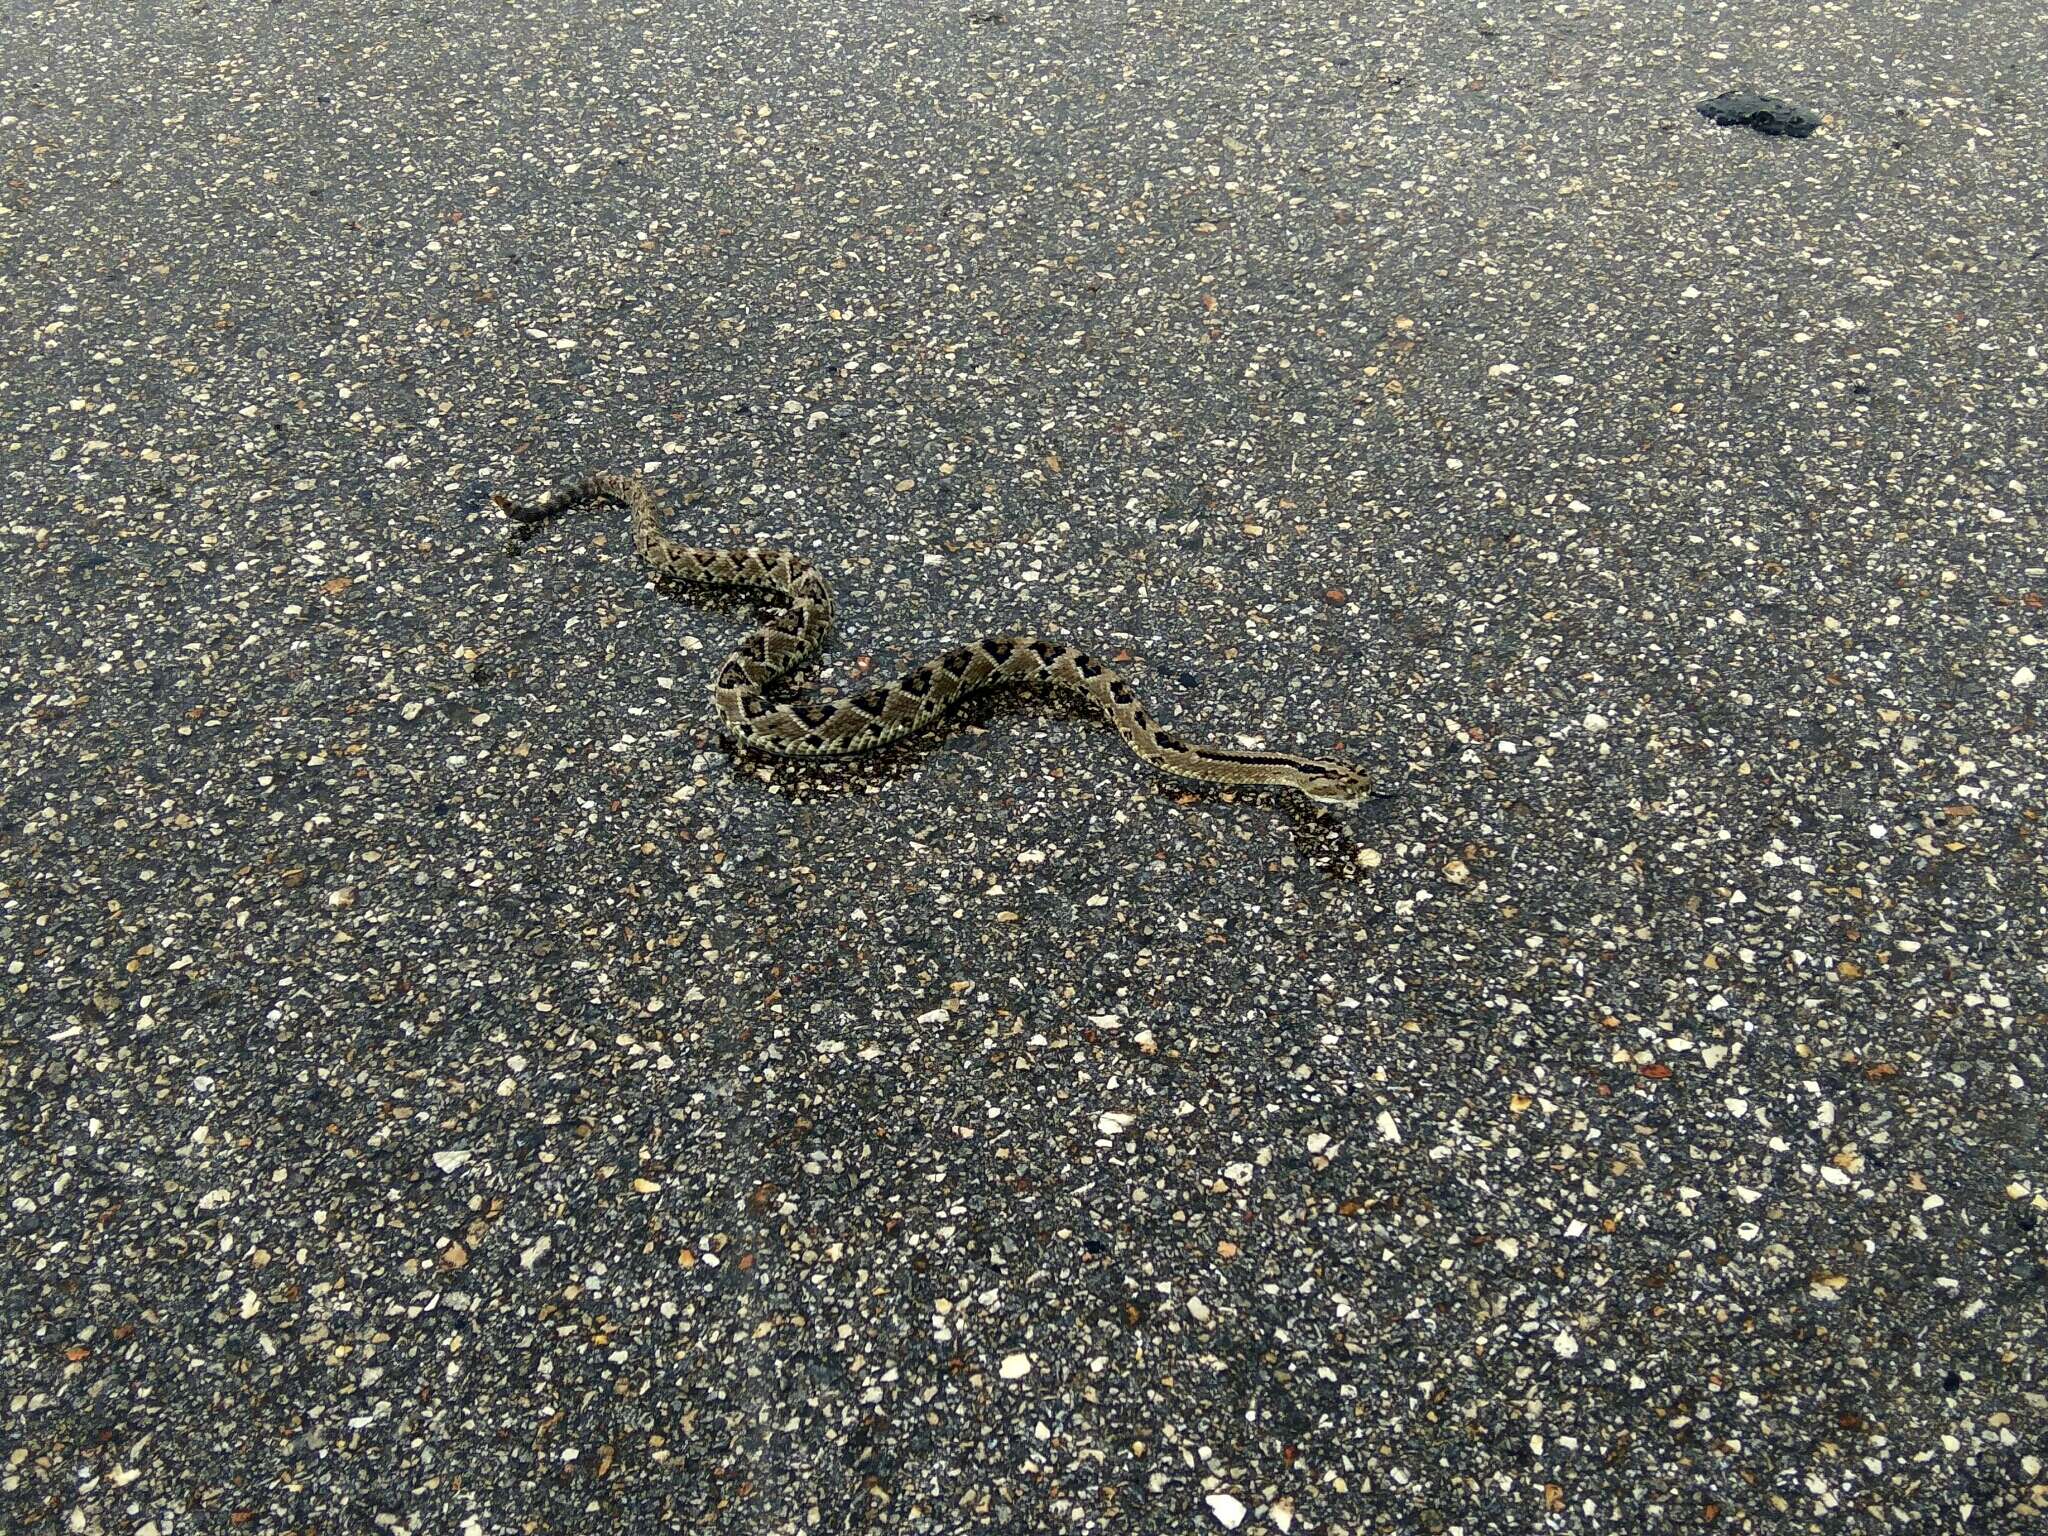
[1015, 1367]
[1595, 722]
[1114, 1123]
[1766, 114]
[2022, 677]
[1389, 1131]
[452, 1159]
[1566, 1344]
[1228, 1512]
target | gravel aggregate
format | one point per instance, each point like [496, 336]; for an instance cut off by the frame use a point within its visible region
[445, 1089]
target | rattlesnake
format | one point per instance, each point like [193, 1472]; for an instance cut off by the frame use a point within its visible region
[821, 728]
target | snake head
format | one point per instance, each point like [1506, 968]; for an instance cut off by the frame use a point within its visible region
[1335, 783]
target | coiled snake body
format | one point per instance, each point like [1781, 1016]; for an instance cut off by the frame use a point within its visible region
[820, 728]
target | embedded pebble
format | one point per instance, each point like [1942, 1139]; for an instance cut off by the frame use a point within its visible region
[1766, 114]
[1229, 1512]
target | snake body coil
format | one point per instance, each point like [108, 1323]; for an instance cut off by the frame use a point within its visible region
[820, 728]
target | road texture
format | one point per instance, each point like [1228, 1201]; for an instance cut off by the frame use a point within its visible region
[446, 1090]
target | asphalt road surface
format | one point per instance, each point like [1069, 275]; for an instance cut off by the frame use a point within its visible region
[447, 1090]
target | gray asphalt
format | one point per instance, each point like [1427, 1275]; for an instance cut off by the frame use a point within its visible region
[447, 1090]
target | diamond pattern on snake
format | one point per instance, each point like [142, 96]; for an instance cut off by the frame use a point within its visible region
[869, 721]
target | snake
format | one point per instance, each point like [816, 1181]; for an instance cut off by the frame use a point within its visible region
[838, 727]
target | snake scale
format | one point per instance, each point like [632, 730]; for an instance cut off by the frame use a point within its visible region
[864, 722]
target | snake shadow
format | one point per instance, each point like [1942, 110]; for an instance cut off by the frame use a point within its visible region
[1322, 835]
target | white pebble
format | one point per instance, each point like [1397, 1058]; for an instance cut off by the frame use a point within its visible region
[1596, 722]
[1388, 1130]
[1565, 1344]
[1228, 1512]
[2022, 677]
[1015, 1367]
